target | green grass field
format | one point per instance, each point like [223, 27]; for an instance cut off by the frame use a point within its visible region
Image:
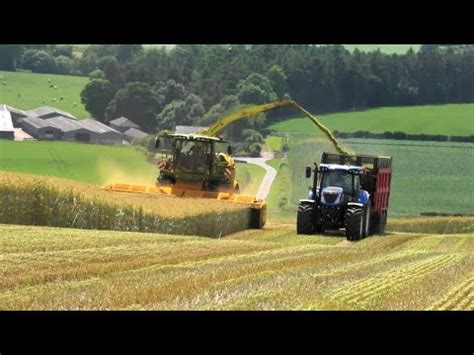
[384, 48]
[34, 91]
[54, 268]
[249, 177]
[452, 119]
[96, 164]
[89, 163]
[427, 176]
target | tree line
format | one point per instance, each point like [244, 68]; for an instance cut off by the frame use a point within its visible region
[196, 84]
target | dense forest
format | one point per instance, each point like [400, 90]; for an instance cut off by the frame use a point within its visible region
[195, 84]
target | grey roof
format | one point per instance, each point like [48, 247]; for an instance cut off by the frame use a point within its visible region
[65, 124]
[6, 124]
[38, 122]
[189, 129]
[17, 111]
[96, 126]
[135, 133]
[46, 110]
[124, 122]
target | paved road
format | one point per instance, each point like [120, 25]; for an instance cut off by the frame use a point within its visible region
[270, 174]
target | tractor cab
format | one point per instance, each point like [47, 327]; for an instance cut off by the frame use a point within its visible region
[338, 183]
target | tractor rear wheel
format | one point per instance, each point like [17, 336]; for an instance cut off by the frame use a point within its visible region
[354, 223]
[305, 218]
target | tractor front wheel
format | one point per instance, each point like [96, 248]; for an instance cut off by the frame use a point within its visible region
[305, 219]
[354, 223]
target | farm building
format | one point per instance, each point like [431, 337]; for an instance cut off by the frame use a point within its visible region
[17, 115]
[189, 129]
[130, 134]
[122, 124]
[102, 134]
[71, 129]
[6, 124]
[41, 129]
[48, 112]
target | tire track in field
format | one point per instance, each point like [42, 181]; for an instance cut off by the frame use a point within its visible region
[371, 287]
[459, 297]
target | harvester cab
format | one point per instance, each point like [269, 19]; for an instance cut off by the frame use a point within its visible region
[350, 192]
[195, 161]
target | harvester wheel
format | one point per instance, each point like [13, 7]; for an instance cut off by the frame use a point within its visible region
[258, 217]
[306, 218]
[354, 223]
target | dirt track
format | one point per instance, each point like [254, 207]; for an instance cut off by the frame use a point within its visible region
[270, 174]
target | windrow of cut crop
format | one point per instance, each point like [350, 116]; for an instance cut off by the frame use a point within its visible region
[34, 202]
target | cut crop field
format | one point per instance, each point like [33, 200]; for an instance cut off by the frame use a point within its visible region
[26, 91]
[427, 176]
[54, 268]
[451, 120]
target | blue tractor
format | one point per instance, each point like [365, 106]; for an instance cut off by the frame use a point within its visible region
[350, 192]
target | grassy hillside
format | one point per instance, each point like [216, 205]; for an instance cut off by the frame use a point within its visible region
[34, 90]
[53, 268]
[90, 163]
[427, 176]
[452, 119]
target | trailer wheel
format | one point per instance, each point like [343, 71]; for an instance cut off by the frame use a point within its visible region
[378, 222]
[305, 218]
[354, 223]
[258, 217]
[375, 223]
[383, 222]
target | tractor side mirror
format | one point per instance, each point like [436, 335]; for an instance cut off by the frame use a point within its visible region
[229, 150]
[157, 143]
[308, 172]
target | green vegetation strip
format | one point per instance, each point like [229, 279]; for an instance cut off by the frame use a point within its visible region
[451, 119]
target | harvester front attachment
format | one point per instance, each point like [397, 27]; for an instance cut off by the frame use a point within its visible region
[258, 207]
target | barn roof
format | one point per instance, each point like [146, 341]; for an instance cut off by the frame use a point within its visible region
[16, 111]
[65, 124]
[6, 124]
[189, 129]
[38, 122]
[124, 122]
[135, 133]
[47, 110]
[96, 126]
